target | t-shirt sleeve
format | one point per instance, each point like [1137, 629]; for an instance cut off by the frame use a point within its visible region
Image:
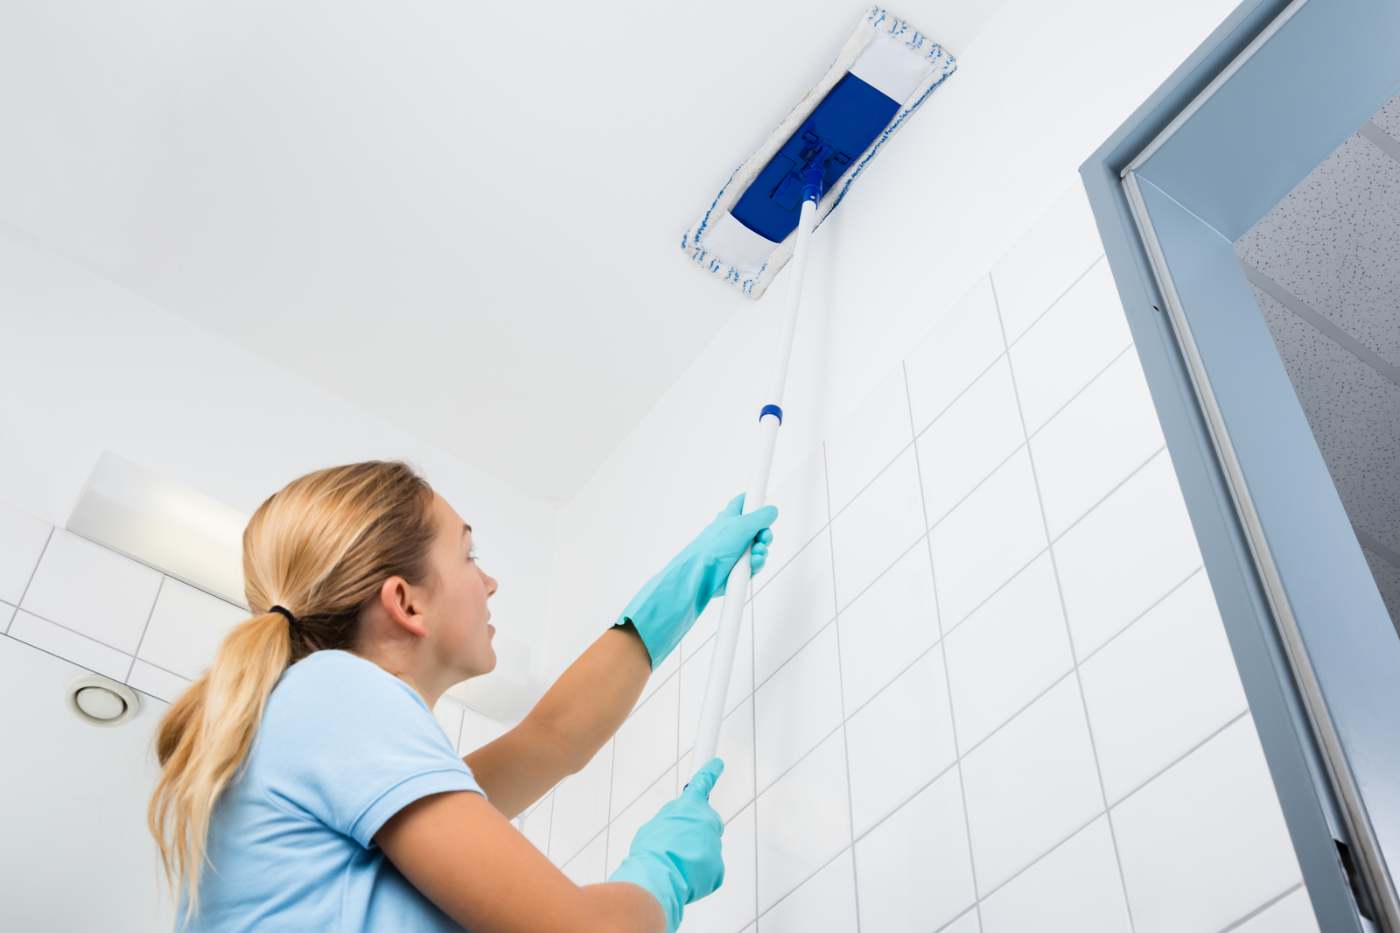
[351, 745]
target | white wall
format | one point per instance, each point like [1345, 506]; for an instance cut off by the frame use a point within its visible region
[986, 683]
[89, 366]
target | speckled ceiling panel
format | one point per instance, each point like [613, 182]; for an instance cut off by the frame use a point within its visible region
[1354, 413]
[1387, 581]
[1388, 117]
[1334, 242]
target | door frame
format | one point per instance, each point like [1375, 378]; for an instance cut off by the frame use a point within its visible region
[1269, 94]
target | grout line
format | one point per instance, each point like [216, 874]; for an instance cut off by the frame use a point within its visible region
[798, 886]
[144, 629]
[1105, 497]
[1101, 257]
[612, 780]
[1082, 389]
[549, 828]
[1260, 909]
[841, 696]
[920, 432]
[97, 641]
[964, 913]
[947, 680]
[1179, 758]
[1060, 593]
[33, 572]
[1155, 603]
[753, 743]
[1098, 815]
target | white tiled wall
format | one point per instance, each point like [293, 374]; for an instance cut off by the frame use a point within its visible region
[988, 686]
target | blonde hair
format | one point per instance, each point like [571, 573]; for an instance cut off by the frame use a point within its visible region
[321, 548]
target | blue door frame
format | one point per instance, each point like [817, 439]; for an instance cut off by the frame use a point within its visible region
[1267, 97]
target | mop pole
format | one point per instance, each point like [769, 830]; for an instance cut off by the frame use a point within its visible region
[770, 418]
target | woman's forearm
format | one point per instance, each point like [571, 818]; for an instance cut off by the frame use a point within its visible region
[590, 700]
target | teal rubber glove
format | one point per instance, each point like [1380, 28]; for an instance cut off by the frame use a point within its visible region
[670, 602]
[676, 855]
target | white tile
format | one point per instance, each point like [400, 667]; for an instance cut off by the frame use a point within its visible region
[797, 707]
[801, 599]
[1076, 887]
[1044, 263]
[1160, 687]
[891, 623]
[646, 744]
[736, 748]
[587, 866]
[1079, 336]
[71, 646]
[825, 903]
[1031, 784]
[478, 730]
[962, 343]
[536, 823]
[1220, 793]
[1125, 555]
[160, 684]
[899, 741]
[92, 590]
[866, 438]
[983, 542]
[625, 825]
[581, 807]
[1108, 431]
[695, 674]
[22, 539]
[1293, 914]
[732, 907]
[800, 497]
[449, 714]
[880, 525]
[1008, 651]
[966, 443]
[913, 871]
[792, 844]
[186, 628]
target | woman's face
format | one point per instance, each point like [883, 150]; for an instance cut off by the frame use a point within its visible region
[462, 633]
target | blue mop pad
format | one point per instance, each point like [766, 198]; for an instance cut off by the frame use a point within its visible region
[884, 72]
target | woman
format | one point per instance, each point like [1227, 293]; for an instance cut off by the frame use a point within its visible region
[307, 766]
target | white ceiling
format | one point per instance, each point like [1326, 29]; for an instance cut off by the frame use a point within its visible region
[463, 218]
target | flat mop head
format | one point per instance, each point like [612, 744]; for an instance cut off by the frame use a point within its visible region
[884, 72]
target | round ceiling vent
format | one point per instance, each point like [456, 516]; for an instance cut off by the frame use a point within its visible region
[102, 701]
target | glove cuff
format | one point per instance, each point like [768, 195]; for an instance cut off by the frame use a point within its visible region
[660, 880]
[668, 605]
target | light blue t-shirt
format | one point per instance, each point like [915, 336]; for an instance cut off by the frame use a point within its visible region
[343, 746]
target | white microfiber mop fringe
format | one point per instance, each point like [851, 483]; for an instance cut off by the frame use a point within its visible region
[751, 271]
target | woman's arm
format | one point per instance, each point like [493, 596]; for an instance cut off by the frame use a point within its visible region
[565, 729]
[465, 857]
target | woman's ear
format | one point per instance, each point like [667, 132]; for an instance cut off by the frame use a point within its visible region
[400, 603]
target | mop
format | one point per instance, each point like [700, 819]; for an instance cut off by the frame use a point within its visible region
[764, 215]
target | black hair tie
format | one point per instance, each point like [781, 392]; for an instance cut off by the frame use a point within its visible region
[285, 613]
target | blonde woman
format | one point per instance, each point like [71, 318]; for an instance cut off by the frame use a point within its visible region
[306, 767]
